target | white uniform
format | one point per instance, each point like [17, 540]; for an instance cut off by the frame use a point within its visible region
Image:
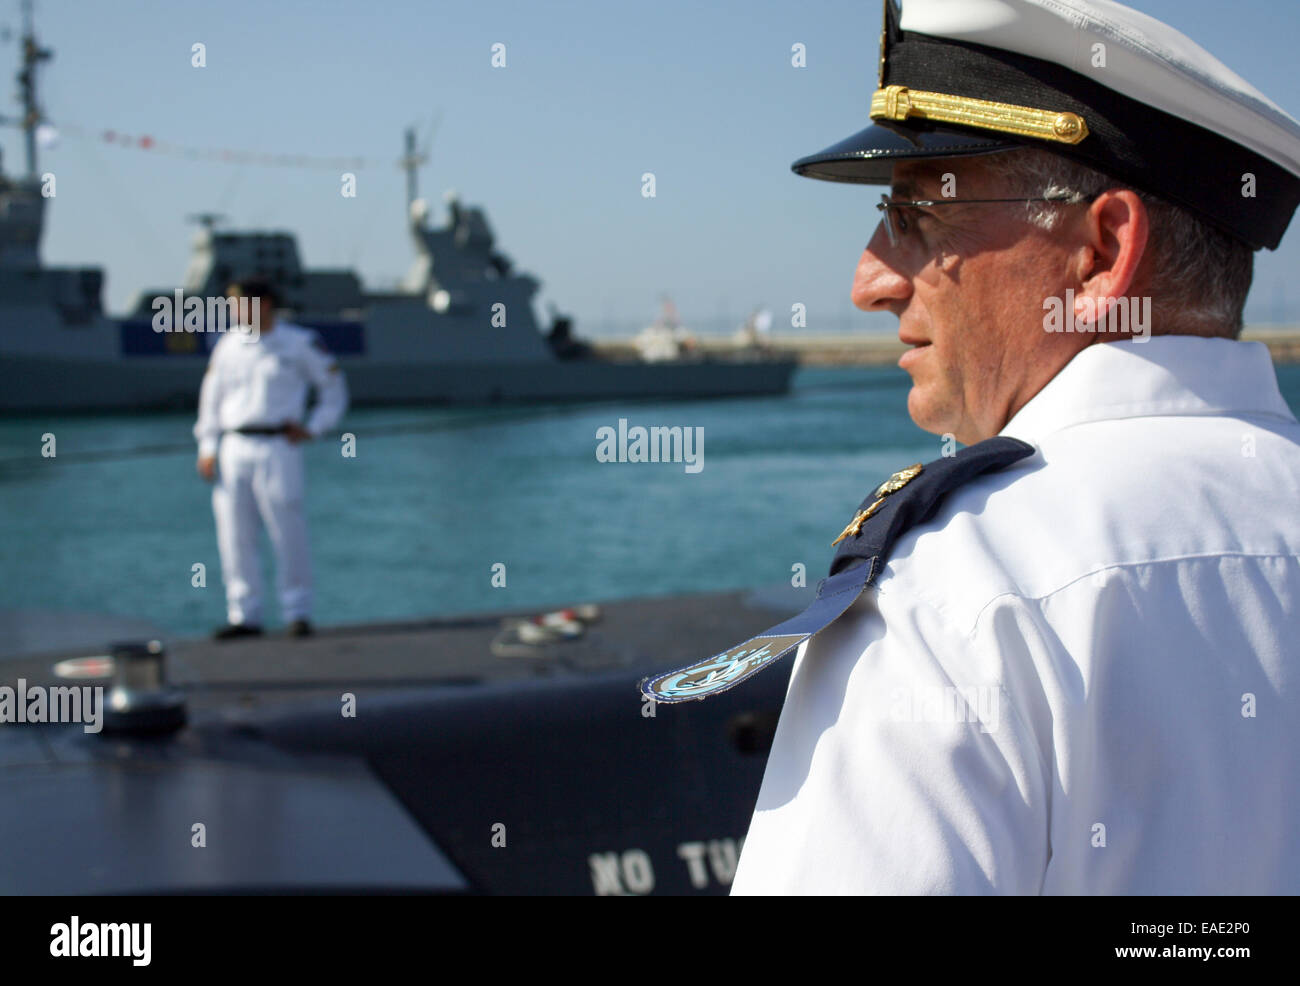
[1122, 611]
[262, 381]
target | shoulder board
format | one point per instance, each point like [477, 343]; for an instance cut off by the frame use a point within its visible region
[907, 498]
[912, 496]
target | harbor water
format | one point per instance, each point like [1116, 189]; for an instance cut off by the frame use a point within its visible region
[440, 506]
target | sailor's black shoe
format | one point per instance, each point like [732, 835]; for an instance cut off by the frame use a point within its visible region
[299, 628]
[233, 630]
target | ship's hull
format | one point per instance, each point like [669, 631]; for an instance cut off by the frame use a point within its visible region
[38, 383]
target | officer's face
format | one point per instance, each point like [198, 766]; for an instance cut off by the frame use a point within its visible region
[967, 284]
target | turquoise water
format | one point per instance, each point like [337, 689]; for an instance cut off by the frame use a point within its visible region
[413, 525]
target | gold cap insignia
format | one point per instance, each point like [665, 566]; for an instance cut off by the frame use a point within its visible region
[900, 102]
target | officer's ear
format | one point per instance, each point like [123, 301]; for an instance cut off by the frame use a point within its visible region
[1112, 238]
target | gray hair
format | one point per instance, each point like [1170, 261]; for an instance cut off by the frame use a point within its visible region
[1202, 275]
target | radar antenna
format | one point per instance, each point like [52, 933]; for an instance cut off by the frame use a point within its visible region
[208, 220]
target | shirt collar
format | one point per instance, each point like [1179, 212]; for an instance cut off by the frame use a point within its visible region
[1164, 375]
[251, 339]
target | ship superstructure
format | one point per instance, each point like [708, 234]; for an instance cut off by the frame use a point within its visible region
[460, 327]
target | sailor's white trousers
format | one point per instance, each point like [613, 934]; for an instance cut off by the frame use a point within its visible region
[262, 482]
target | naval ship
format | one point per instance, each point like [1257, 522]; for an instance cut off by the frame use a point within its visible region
[460, 327]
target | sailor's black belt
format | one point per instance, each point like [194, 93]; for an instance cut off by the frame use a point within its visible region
[260, 430]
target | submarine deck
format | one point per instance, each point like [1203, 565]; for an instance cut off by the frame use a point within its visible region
[642, 634]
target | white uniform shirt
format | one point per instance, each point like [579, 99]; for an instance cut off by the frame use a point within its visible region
[1121, 609]
[262, 380]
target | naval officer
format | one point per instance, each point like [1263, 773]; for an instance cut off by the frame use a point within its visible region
[1066, 659]
[251, 426]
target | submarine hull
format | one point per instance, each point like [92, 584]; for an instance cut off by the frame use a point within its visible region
[408, 758]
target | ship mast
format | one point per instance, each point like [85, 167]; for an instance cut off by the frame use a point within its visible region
[410, 162]
[33, 55]
[416, 154]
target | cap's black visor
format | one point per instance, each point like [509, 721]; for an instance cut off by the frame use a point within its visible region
[868, 157]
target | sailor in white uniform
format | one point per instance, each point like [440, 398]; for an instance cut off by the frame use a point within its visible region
[1074, 667]
[252, 421]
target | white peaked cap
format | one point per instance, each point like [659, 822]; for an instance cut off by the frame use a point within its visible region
[1092, 80]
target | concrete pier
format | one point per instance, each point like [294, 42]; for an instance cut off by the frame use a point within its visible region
[881, 349]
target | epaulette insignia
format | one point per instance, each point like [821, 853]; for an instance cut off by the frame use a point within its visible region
[907, 498]
[892, 485]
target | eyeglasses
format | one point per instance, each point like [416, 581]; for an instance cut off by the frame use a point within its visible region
[897, 223]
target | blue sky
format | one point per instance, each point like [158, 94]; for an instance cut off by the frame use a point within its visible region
[554, 145]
